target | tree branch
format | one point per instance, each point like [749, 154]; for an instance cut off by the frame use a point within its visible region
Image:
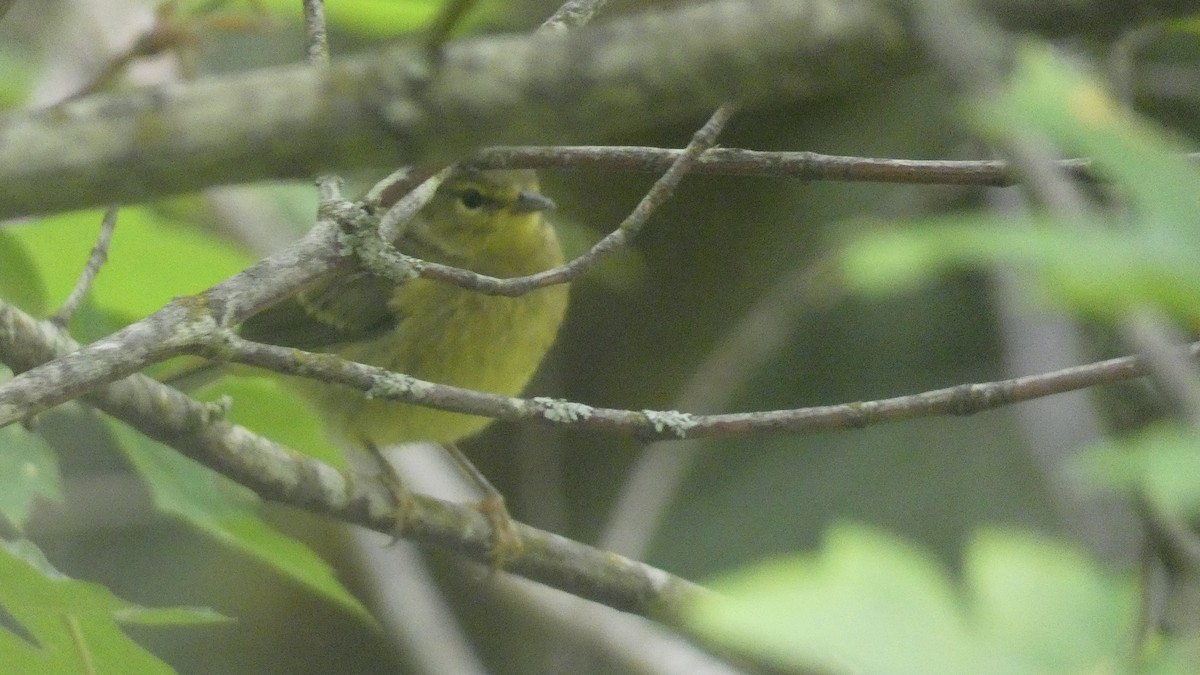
[387, 261]
[96, 260]
[392, 107]
[965, 399]
[178, 326]
[805, 166]
[281, 474]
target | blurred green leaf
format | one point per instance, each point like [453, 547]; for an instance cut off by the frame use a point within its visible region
[1152, 256]
[19, 73]
[60, 625]
[226, 512]
[271, 409]
[28, 471]
[90, 323]
[1096, 271]
[1160, 463]
[367, 18]
[870, 603]
[1045, 607]
[1186, 25]
[1049, 98]
[383, 19]
[153, 258]
[20, 283]
[169, 616]
[867, 603]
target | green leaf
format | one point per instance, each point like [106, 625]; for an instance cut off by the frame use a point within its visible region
[272, 410]
[28, 471]
[60, 625]
[1096, 271]
[19, 75]
[867, 603]
[147, 245]
[1049, 98]
[870, 603]
[20, 283]
[1045, 607]
[1189, 25]
[391, 18]
[367, 18]
[1150, 257]
[1160, 463]
[227, 512]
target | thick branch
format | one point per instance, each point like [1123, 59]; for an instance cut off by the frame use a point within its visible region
[393, 107]
[172, 330]
[278, 473]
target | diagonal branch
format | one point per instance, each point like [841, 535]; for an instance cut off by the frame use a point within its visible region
[391, 107]
[963, 399]
[281, 474]
[178, 326]
[387, 261]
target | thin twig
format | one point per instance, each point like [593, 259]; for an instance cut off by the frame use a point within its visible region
[396, 218]
[328, 185]
[318, 37]
[95, 261]
[572, 14]
[805, 166]
[1149, 331]
[654, 478]
[375, 243]
[658, 194]
[284, 475]
[183, 321]
[444, 23]
[964, 399]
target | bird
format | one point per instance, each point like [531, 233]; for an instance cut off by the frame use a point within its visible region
[487, 221]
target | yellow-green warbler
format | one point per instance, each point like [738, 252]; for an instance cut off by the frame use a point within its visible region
[489, 222]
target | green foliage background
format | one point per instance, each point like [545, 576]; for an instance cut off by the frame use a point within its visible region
[955, 521]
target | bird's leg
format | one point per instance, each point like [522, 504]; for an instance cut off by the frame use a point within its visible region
[506, 540]
[402, 496]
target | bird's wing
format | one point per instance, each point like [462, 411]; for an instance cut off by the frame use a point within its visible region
[344, 309]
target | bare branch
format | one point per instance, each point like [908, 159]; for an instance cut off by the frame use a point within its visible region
[572, 14]
[388, 108]
[658, 194]
[281, 474]
[964, 399]
[652, 481]
[180, 324]
[394, 220]
[806, 166]
[318, 38]
[95, 261]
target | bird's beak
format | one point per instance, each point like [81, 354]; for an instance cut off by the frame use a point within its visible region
[531, 202]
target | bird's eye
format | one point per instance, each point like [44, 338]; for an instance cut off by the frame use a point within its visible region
[471, 198]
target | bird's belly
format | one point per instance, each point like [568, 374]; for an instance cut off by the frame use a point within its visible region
[486, 343]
